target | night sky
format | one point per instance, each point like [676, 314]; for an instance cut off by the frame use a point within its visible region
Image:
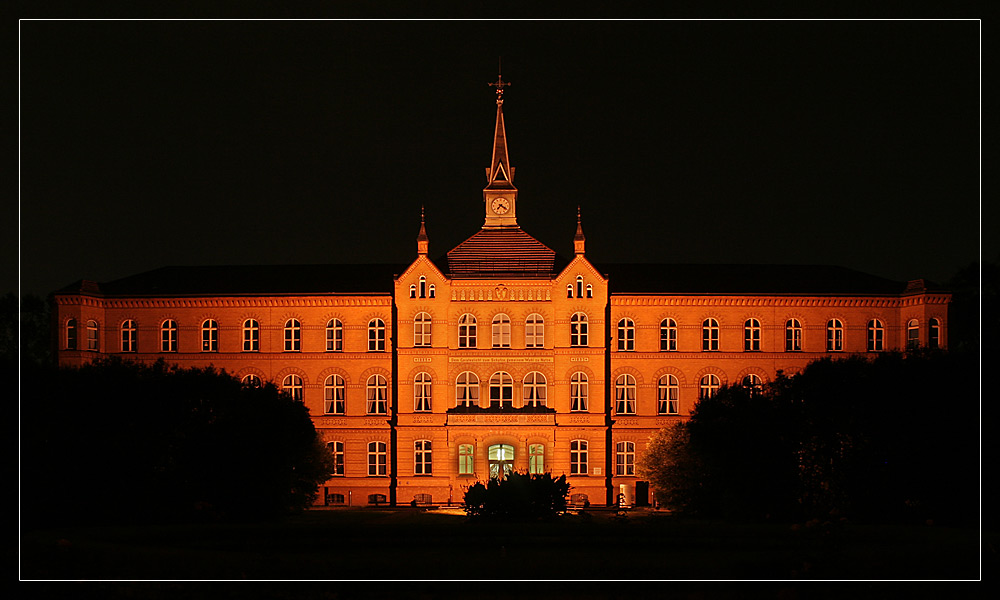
[153, 143]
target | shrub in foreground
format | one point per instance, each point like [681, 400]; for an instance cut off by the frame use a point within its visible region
[519, 496]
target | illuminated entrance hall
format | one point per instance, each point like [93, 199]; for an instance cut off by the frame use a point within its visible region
[501, 460]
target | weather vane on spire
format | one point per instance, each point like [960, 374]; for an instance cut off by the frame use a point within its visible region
[500, 83]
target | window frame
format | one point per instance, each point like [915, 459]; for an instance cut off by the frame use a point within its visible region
[876, 335]
[251, 335]
[579, 330]
[336, 448]
[536, 459]
[668, 395]
[709, 385]
[422, 458]
[334, 395]
[793, 335]
[209, 335]
[295, 386]
[534, 393]
[377, 395]
[834, 335]
[534, 331]
[710, 335]
[579, 392]
[72, 334]
[579, 450]
[422, 330]
[503, 384]
[500, 331]
[625, 458]
[625, 394]
[626, 335]
[422, 389]
[93, 336]
[129, 336]
[293, 335]
[751, 335]
[376, 335]
[467, 331]
[468, 387]
[466, 459]
[377, 459]
[334, 335]
[168, 336]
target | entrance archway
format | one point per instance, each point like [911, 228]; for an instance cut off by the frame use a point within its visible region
[501, 459]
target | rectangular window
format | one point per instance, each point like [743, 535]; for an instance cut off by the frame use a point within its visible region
[578, 457]
[337, 450]
[466, 462]
[536, 459]
[422, 457]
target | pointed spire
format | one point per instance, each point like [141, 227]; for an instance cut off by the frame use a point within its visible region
[422, 241]
[579, 240]
[500, 175]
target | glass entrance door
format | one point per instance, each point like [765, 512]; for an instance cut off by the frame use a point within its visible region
[501, 460]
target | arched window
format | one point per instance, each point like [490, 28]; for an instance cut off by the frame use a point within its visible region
[590, 291]
[210, 336]
[467, 331]
[467, 389]
[422, 392]
[334, 336]
[423, 287]
[710, 335]
[422, 329]
[378, 394]
[376, 459]
[668, 335]
[334, 395]
[466, 459]
[709, 386]
[626, 335]
[534, 331]
[569, 290]
[793, 336]
[912, 334]
[251, 336]
[501, 390]
[93, 339]
[413, 290]
[578, 330]
[834, 336]
[578, 391]
[337, 450]
[293, 335]
[293, 385]
[876, 336]
[625, 395]
[667, 393]
[752, 383]
[578, 457]
[129, 336]
[534, 389]
[376, 335]
[168, 336]
[751, 335]
[71, 334]
[536, 459]
[579, 286]
[430, 291]
[501, 331]
[422, 457]
[625, 458]
[252, 380]
[933, 333]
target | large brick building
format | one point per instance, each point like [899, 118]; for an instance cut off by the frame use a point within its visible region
[423, 378]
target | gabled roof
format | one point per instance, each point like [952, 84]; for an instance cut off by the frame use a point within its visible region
[506, 251]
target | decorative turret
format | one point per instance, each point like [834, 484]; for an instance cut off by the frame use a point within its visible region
[500, 195]
[422, 241]
[579, 240]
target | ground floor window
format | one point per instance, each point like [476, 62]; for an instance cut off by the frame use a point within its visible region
[422, 457]
[337, 450]
[625, 458]
[578, 457]
[501, 457]
[536, 459]
[466, 460]
[376, 459]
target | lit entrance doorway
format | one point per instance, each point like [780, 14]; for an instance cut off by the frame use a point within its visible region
[501, 460]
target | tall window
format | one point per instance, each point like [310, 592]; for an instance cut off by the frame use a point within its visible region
[667, 393]
[534, 331]
[710, 335]
[334, 395]
[293, 335]
[293, 385]
[501, 331]
[578, 391]
[378, 394]
[334, 336]
[71, 334]
[876, 336]
[93, 341]
[751, 335]
[590, 290]
[430, 291]
[793, 336]
[422, 288]
[578, 457]
[569, 290]
[752, 383]
[466, 459]
[625, 458]
[376, 335]
[168, 336]
[625, 395]
[501, 390]
[422, 457]
[337, 450]
[467, 331]
[834, 336]
[578, 330]
[129, 336]
[422, 392]
[536, 459]
[709, 386]
[626, 335]
[668, 335]
[210, 336]
[422, 329]
[376, 459]
[933, 333]
[534, 389]
[912, 334]
[251, 336]
[467, 389]
[579, 286]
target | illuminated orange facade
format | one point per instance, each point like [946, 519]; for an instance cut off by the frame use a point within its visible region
[424, 378]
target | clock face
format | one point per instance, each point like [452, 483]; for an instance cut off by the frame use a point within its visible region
[500, 206]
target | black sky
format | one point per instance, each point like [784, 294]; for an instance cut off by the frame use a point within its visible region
[152, 143]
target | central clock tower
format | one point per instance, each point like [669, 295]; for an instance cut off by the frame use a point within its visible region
[500, 195]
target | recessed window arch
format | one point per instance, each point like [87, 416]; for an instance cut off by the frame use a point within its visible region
[252, 380]
[753, 383]
[334, 336]
[710, 335]
[578, 330]
[579, 390]
[467, 389]
[71, 334]
[625, 458]
[933, 333]
[501, 331]
[501, 390]
[534, 389]
[422, 392]
[422, 457]
[251, 335]
[626, 335]
[334, 395]
[376, 335]
[168, 336]
[422, 330]
[668, 335]
[467, 331]
[93, 336]
[377, 459]
[534, 331]
[709, 386]
[625, 394]
[377, 389]
[293, 335]
[668, 395]
[578, 450]
[834, 335]
[210, 336]
[912, 334]
[751, 335]
[793, 335]
[876, 335]
[129, 336]
[293, 385]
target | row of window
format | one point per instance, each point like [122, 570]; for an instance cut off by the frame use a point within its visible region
[500, 458]
[793, 335]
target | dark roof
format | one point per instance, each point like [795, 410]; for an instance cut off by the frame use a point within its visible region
[501, 252]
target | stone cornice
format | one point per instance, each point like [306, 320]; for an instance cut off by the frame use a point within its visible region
[226, 301]
[791, 300]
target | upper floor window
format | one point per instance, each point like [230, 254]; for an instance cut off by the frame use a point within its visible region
[536, 459]
[933, 333]
[210, 336]
[422, 457]
[168, 336]
[578, 457]
[578, 391]
[251, 336]
[751, 335]
[501, 390]
[579, 286]
[668, 392]
[376, 335]
[752, 383]
[710, 335]
[876, 336]
[293, 335]
[501, 331]
[422, 329]
[377, 459]
[93, 340]
[668, 335]
[337, 450]
[834, 336]
[466, 459]
[467, 389]
[422, 287]
[709, 386]
[912, 334]
[534, 389]
[422, 392]
[293, 385]
[378, 395]
[793, 336]
[578, 330]
[71, 334]
[625, 458]
[334, 395]
[334, 336]
[626, 335]
[625, 395]
[467, 331]
[129, 333]
[534, 331]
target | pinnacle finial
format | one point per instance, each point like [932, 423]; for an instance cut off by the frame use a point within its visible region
[500, 83]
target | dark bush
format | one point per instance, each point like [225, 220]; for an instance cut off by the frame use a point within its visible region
[519, 496]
